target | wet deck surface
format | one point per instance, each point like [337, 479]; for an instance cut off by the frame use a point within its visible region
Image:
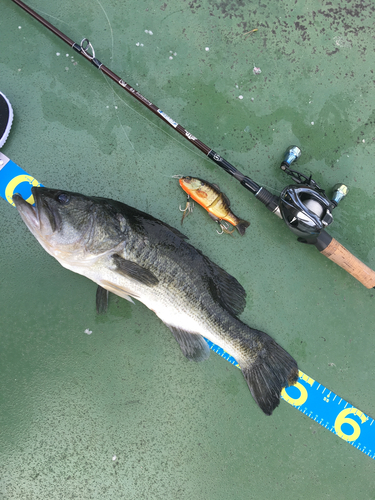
[119, 413]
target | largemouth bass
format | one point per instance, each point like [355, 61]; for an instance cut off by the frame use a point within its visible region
[132, 254]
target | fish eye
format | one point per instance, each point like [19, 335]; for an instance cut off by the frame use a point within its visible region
[63, 198]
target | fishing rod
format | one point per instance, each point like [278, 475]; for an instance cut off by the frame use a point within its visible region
[303, 206]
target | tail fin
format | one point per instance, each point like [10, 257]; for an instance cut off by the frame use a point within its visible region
[271, 370]
[241, 226]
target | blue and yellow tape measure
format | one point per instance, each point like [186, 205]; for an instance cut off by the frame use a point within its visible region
[325, 408]
[308, 396]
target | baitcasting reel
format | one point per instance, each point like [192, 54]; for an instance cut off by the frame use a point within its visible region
[307, 211]
[305, 208]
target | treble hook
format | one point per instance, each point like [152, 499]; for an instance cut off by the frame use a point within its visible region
[188, 209]
[224, 228]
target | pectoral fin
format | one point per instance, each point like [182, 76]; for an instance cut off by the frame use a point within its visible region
[193, 345]
[132, 270]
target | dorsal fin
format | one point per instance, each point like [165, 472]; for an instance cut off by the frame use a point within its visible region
[226, 290]
[225, 199]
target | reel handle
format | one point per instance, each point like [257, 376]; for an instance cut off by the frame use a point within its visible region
[342, 257]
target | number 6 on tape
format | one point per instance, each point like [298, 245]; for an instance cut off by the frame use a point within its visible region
[342, 419]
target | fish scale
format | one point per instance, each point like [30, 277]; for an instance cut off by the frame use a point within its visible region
[308, 396]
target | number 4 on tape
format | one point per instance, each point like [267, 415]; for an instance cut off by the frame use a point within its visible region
[326, 408]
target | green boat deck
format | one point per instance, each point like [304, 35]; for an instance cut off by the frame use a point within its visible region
[106, 407]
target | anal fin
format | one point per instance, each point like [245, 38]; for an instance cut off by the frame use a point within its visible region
[193, 345]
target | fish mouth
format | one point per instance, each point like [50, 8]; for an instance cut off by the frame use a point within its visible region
[38, 218]
[28, 213]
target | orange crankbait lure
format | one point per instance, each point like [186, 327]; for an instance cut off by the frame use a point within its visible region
[214, 201]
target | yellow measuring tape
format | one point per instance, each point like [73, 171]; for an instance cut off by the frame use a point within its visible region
[308, 396]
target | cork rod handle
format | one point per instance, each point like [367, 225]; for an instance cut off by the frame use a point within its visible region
[342, 257]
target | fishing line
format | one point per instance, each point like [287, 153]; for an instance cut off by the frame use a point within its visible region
[86, 49]
[276, 191]
[202, 157]
[110, 27]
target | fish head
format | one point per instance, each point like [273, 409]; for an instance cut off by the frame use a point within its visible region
[201, 191]
[189, 184]
[70, 226]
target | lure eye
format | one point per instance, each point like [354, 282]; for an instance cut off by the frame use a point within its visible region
[63, 198]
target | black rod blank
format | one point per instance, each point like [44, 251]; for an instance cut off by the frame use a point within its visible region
[82, 49]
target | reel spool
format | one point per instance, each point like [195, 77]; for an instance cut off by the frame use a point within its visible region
[305, 208]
